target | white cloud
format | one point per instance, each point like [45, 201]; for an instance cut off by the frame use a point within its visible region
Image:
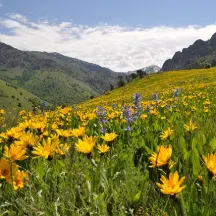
[1, 5]
[18, 17]
[116, 47]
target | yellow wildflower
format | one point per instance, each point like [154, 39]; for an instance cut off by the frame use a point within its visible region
[210, 161]
[18, 179]
[26, 140]
[62, 149]
[47, 149]
[190, 127]
[2, 112]
[143, 116]
[11, 134]
[103, 148]
[171, 164]
[206, 109]
[207, 102]
[63, 133]
[193, 108]
[161, 157]
[167, 133]
[15, 152]
[154, 112]
[200, 178]
[109, 137]
[172, 185]
[86, 145]
[6, 167]
[79, 132]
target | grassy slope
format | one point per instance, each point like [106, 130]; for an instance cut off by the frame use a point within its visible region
[162, 82]
[21, 96]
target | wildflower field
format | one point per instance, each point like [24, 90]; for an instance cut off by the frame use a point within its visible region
[144, 149]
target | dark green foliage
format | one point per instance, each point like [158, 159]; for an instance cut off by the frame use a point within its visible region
[207, 65]
[133, 76]
[120, 81]
[111, 87]
[141, 73]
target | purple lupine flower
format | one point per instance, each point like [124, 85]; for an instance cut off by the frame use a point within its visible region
[113, 106]
[103, 130]
[155, 97]
[137, 98]
[43, 105]
[127, 115]
[101, 114]
[128, 128]
[148, 108]
[176, 94]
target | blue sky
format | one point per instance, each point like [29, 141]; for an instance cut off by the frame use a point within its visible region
[120, 34]
[146, 13]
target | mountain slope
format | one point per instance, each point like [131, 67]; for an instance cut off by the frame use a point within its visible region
[195, 56]
[53, 77]
[15, 97]
[165, 83]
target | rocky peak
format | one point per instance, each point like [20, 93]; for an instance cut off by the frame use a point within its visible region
[193, 56]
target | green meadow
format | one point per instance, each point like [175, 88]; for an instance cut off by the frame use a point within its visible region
[147, 148]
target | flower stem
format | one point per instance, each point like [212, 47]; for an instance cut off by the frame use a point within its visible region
[182, 205]
[165, 206]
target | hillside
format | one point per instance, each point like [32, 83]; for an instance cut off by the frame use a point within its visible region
[163, 83]
[195, 56]
[16, 98]
[53, 77]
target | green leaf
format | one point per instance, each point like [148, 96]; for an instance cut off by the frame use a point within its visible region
[137, 197]
[195, 158]
[182, 145]
[213, 144]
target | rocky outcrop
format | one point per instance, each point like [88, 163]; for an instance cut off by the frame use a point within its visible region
[195, 56]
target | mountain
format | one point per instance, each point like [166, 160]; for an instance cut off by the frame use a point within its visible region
[148, 70]
[198, 55]
[53, 77]
[151, 69]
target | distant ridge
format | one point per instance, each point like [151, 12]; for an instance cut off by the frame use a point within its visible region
[197, 55]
